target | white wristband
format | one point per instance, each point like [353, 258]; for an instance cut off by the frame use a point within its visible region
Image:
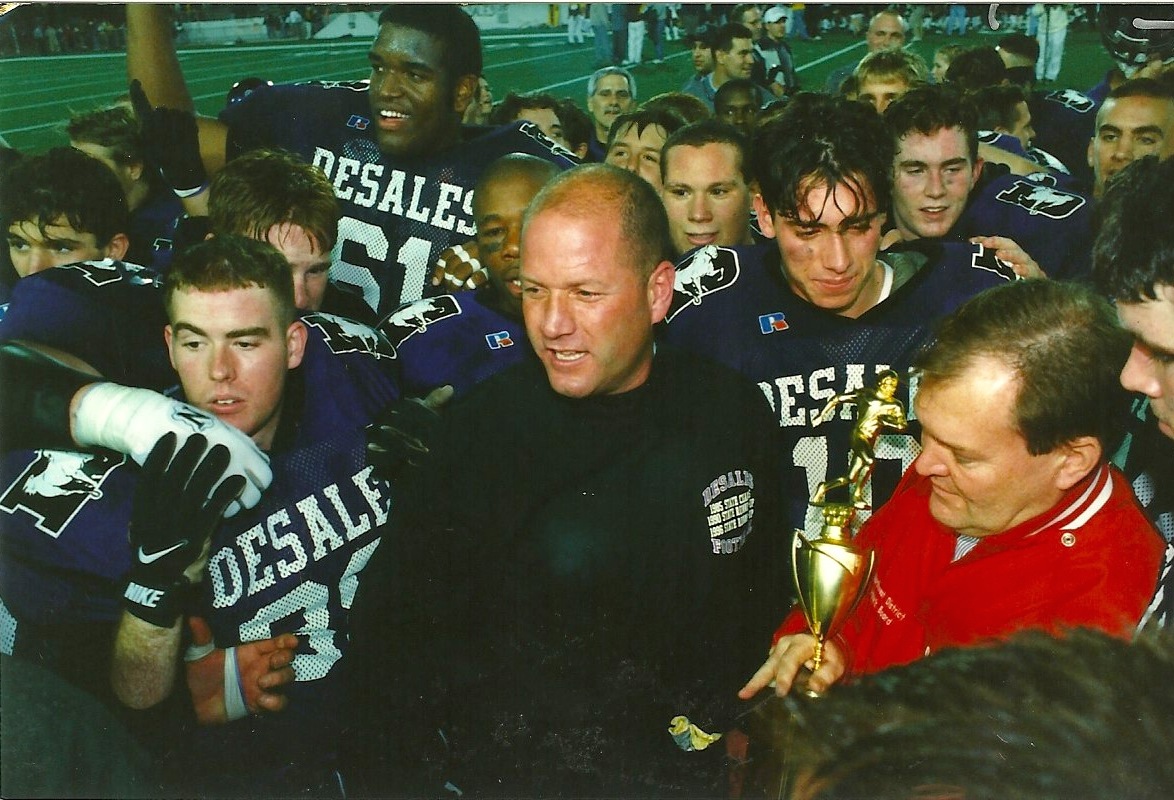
[234, 697]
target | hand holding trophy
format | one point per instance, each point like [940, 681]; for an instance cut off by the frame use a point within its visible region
[831, 571]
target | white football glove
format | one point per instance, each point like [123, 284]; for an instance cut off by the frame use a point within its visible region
[130, 421]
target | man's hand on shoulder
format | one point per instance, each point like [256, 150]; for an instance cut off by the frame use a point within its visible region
[131, 421]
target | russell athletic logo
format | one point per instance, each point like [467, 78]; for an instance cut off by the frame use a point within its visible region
[773, 323]
[497, 341]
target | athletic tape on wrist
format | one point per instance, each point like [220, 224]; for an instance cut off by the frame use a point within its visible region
[234, 696]
[197, 651]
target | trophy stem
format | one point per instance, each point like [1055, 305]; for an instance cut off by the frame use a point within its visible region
[817, 659]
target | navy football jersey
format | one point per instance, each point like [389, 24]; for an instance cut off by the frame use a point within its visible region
[63, 525]
[1053, 171]
[398, 214]
[1146, 457]
[734, 306]
[1064, 121]
[153, 229]
[65, 513]
[452, 339]
[291, 564]
[107, 313]
[1053, 226]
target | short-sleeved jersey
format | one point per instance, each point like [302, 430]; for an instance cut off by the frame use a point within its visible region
[398, 214]
[1052, 226]
[453, 339]
[1064, 121]
[107, 313]
[734, 306]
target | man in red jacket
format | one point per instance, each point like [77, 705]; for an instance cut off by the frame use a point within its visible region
[1010, 518]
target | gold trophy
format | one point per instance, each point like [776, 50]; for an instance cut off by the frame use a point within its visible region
[831, 571]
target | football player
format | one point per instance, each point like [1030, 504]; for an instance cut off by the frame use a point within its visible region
[303, 389]
[112, 135]
[393, 146]
[1133, 263]
[462, 338]
[820, 311]
[1136, 120]
[59, 209]
[705, 170]
[941, 188]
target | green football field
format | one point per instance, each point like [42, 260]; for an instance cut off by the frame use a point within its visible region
[38, 93]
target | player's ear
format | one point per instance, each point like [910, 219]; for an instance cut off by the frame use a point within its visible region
[135, 170]
[295, 343]
[1076, 459]
[464, 92]
[766, 222]
[660, 290]
[117, 246]
[167, 337]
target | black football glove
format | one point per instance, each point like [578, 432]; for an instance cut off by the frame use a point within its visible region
[174, 513]
[171, 142]
[401, 435]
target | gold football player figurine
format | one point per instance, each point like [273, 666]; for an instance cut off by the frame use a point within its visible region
[876, 408]
[831, 571]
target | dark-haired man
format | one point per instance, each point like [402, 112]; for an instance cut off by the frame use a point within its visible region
[394, 147]
[820, 311]
[733, 57]
[1133, 263]
[1136, 120]
[636, 140]
[940, 190]
[58, 209]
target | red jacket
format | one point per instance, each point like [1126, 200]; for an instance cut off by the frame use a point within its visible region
[1090, 561]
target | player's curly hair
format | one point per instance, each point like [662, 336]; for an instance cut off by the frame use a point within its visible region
[65, 183]
[820, 140]
[1134, 248]
[115, 127]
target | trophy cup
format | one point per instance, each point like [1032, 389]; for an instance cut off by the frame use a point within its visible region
[831, 571]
